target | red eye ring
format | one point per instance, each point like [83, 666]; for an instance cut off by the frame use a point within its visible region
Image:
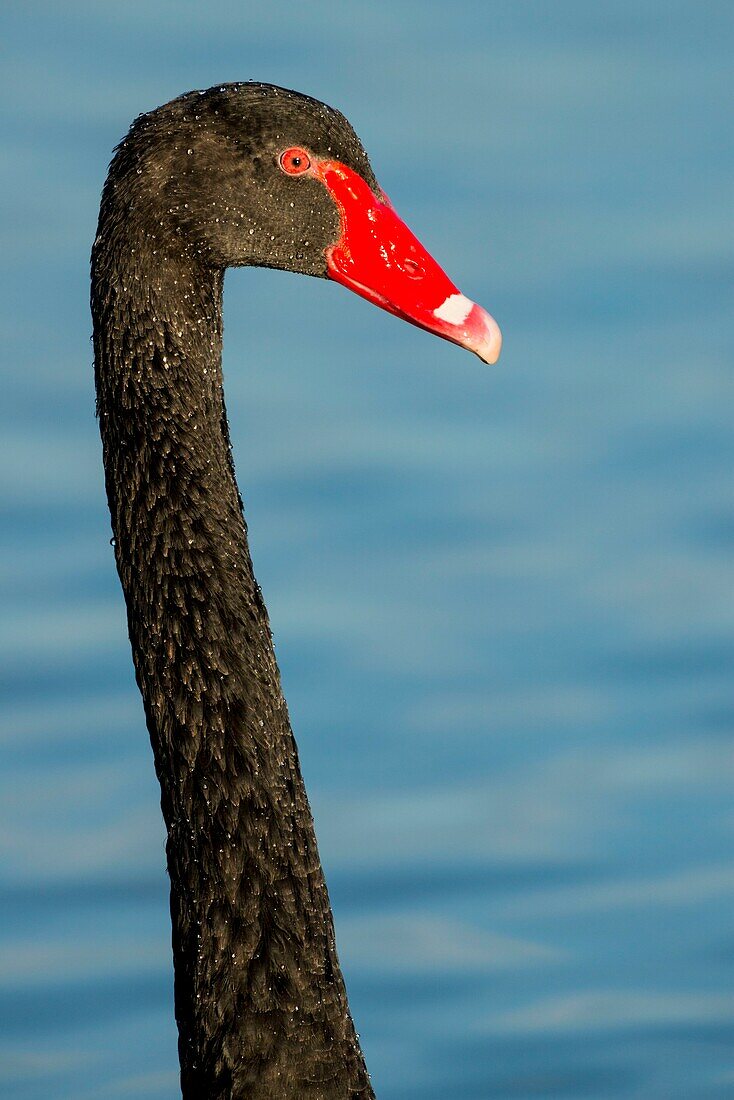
[295, 161]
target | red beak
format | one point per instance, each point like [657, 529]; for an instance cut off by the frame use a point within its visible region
[379, 258]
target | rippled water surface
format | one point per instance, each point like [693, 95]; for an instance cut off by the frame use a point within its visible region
[502, 598]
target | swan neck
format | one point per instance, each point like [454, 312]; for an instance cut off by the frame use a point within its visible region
[260, 1000]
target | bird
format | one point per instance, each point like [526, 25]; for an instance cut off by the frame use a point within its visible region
[240, 174]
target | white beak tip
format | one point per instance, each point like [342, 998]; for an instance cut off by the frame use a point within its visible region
[488, 344]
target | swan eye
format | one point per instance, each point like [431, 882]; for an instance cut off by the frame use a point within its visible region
[295, 161]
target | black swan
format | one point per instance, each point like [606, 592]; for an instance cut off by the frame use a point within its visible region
[241, 174]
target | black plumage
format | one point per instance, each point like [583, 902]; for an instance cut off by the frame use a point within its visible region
[194, 188]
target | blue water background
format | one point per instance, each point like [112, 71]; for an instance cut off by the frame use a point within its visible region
[501, 597]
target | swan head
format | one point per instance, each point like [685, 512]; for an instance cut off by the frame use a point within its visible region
[256, 175]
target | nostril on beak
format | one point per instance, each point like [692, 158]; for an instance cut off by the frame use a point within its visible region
[412, 269]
